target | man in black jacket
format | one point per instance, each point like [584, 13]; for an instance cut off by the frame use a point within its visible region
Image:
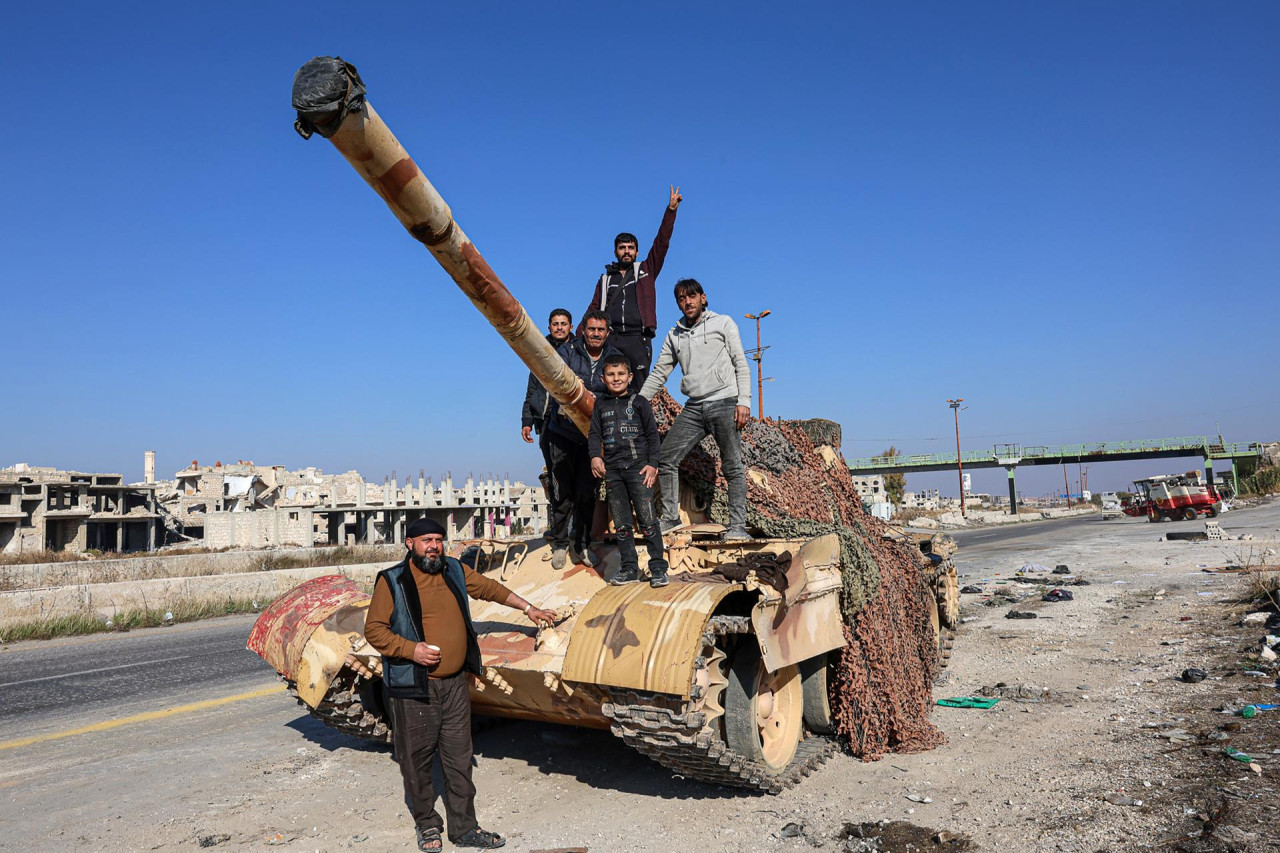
[538, 405]
[573, 490]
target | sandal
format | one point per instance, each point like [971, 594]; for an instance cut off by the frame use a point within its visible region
[429, 840]
[479, 838]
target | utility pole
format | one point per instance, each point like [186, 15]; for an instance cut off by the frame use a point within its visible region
[955, 408]
[1066, 486]
[758, 355]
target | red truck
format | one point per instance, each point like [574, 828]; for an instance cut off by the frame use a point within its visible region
[1174, 496]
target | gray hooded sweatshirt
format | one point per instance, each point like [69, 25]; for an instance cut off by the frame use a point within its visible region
[711, 358]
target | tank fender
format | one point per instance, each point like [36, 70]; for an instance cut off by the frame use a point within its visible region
[641, 638]
[805, 621]
[307, 633]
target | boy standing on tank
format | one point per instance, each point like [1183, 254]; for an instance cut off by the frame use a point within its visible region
[625, 449]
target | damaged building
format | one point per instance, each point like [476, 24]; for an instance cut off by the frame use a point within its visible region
[251, 506]
[47, 509]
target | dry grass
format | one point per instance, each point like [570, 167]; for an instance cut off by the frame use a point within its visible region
[93, 555]
[343, 555]
[91, 622]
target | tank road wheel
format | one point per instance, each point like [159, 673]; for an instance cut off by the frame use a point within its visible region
[763, 711]
[353, 706]
[817, 695]
[1189, 514]
[730, 691]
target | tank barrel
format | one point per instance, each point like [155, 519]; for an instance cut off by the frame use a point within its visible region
[328, 95]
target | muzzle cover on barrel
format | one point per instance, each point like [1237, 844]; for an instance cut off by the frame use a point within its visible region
[324, 91]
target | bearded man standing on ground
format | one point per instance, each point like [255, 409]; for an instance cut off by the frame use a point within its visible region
[420, 621]
[625, 293]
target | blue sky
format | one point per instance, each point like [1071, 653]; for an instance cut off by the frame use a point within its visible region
[1066, 215]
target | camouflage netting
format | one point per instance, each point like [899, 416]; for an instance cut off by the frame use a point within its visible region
[881, 692]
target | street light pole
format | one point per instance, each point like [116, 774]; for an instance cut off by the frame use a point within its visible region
[955, 408]
[758, 355]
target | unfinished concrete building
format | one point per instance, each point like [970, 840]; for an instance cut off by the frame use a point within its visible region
[248, 505]
[46, 509]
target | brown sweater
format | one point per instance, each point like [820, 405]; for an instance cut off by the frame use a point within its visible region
[442, 623]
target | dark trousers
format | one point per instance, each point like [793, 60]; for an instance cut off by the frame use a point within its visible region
[546, 461]
[694, 423]
[638, 348]
[424, 729]
[626, 490]
[573, 492]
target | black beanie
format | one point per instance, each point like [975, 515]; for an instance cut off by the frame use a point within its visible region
[423, 526]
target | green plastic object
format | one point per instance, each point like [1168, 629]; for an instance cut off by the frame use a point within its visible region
[968, 702]
[1237, 755]
[1248, 711]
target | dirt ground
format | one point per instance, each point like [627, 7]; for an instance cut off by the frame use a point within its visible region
[1108, 716]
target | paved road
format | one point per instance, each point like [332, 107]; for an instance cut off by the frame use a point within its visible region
[106, 675]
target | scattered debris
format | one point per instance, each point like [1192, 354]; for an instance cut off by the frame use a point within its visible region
[1019, 692]
[1061, 569]
[920, 798]
[971, 589]
[1187, 536]
[1033, 568]
[791, 830]
[893, 836]
[1194, 676]
[213, 840]
[1020, 614]
[1255, 618]
[1057, 595]
[967, 702]
[1119, 798]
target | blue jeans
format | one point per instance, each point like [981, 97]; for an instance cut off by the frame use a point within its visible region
[694, 423]
[626, 490]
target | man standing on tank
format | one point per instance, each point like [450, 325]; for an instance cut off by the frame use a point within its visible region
[573, 487]
[420, 620]
[626, 293]
[717, 382]
[538, 405]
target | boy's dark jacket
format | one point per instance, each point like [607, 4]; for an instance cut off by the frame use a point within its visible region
[574, 352]
[624, 432]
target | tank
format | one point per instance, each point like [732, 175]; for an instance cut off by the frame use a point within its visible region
[756, 663]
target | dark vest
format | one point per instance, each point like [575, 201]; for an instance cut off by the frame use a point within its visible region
[403, 678]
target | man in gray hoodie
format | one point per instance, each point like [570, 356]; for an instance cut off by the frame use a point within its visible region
[717, 381]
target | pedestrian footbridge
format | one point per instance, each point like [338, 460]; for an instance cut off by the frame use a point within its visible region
[1010, 456]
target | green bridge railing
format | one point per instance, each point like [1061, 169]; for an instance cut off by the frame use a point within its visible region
[1199, 445]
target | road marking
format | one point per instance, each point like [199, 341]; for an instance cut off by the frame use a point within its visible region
[91, 671]
[141, 718]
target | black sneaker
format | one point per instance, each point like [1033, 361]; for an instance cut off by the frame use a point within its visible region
[624, 577]
[658, 580]
[668, 524]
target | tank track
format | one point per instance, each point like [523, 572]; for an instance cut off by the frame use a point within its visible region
[673, 733]
[342, 708]
[946, 597]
